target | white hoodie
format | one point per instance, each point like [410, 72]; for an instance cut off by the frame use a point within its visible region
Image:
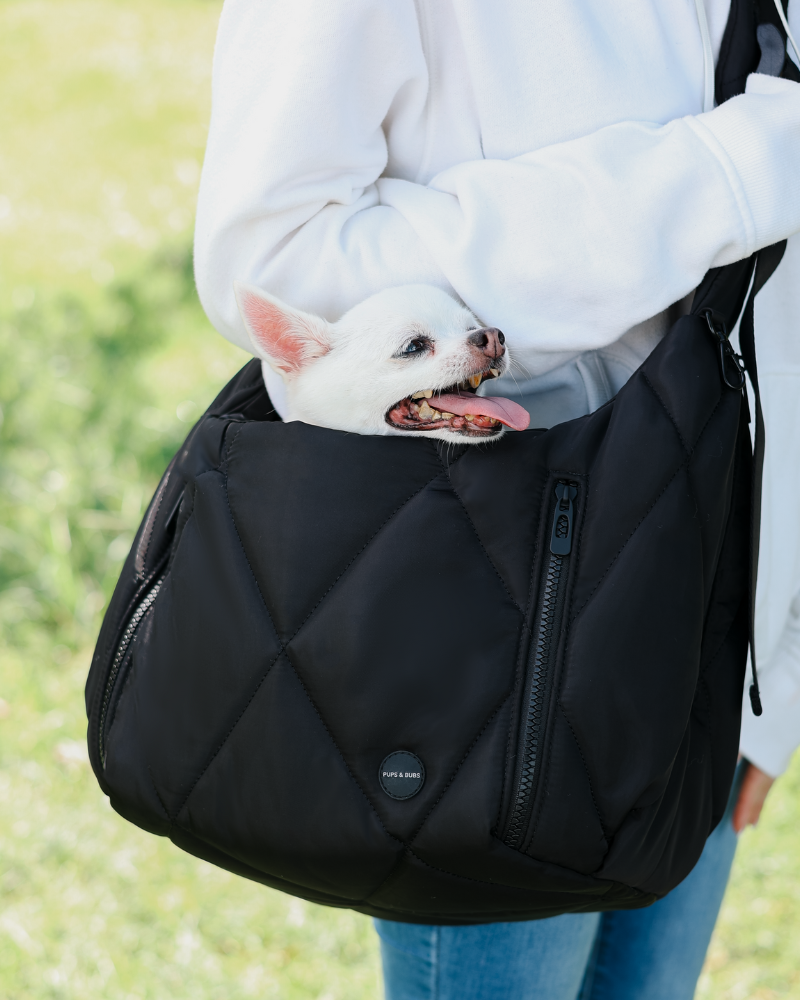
[551, 164]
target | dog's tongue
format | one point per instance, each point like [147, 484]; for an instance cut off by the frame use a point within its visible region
[505, 410]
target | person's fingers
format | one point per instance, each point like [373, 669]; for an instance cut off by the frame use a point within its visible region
[755, 787]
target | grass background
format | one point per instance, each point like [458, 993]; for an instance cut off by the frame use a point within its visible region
[105, 361]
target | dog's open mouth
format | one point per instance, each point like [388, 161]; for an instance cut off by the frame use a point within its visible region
[459, 409]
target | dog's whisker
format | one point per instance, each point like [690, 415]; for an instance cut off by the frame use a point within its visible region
[519, 365]
[514, 377]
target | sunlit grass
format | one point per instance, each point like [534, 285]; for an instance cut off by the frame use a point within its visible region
[105, 360]
[755, 952]
[102, 126]
[96, 399]
[94, 908]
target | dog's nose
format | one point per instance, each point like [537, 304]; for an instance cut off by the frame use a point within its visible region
[489, 341]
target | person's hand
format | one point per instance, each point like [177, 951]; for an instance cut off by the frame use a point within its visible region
[755, 787]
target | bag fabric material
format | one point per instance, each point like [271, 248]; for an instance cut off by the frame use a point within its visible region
[324, 600]
[555, 626]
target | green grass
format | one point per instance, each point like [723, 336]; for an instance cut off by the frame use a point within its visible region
[105, 360]
[755, 952]
[96, 399]
[94, 908]
[103, 123]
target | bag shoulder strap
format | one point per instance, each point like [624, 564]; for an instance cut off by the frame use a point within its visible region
[755, 39]
[767, 262]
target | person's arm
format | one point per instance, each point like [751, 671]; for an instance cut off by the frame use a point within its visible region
[752, 796]
[769, 741]
[564, 248]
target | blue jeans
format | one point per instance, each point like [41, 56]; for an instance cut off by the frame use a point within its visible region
[651, 954]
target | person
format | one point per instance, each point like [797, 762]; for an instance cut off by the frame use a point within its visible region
[562, 169]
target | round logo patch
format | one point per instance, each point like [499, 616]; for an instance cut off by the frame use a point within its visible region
[401, 775]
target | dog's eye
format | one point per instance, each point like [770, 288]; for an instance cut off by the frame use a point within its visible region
[416, 346]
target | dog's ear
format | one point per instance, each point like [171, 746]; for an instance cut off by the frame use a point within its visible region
[286, 338]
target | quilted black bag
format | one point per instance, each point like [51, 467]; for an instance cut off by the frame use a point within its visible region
[449, 685]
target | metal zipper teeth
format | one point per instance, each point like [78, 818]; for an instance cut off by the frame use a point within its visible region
[127, 638]
[544, 642]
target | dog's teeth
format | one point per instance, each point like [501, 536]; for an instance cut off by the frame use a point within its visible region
[425, 412]
[436, 414]
[417, 395]
[447, 416]
[495, 372]
[423, 394]
[468, 416]
[475, 380]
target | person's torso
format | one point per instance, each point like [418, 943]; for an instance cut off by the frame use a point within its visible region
[508, 78]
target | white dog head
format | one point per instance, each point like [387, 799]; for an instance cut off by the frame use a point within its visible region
[406, 361]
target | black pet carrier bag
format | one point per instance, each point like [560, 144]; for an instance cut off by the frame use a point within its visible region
[450, 685]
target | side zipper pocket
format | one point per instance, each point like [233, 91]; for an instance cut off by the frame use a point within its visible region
[541, 659]
[173, 524]
[123, 646]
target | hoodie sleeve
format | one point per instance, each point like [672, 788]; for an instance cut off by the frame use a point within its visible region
[294, 196]
[770, 740]
[556, 246]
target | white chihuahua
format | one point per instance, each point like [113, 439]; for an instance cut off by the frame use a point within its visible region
[407, 360]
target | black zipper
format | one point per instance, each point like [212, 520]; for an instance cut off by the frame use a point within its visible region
[134, 622]
[541, 658]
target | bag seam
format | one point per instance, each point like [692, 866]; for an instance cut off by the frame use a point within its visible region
[484, 550]
[158, 794]
[690, 452]
[152, 527]
[210, 760]
[418, 830]
[505, 885]
[368, 542]
[229, 447]
[324, 725]
[686, 449]
[447, 446]
[282, 651]
[124, 617]
[607, 570]
[586, 770]
[706, 692]
[458, 767]
[387, 878]
[619, 551]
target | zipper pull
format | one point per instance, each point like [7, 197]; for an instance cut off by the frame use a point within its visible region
[561, 537]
